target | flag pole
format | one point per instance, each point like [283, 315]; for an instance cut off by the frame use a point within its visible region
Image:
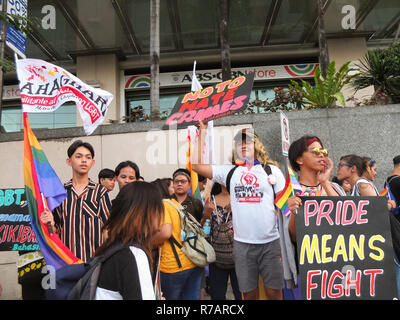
[49, 227]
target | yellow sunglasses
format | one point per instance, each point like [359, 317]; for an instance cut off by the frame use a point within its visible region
[318, 152]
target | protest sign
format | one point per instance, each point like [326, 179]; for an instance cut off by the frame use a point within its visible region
[345, 249]
[206, 104]
[285, 134]
[15, 227]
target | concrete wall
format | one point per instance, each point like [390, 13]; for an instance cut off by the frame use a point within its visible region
[370, 131]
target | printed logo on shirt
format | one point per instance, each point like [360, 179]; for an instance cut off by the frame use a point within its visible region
[248, 190]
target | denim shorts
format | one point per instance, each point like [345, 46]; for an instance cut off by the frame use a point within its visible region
[254, 259]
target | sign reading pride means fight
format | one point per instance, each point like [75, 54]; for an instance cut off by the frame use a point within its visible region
[44, 87]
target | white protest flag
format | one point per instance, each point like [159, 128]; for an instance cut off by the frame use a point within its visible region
[44, 87]
[208, 149]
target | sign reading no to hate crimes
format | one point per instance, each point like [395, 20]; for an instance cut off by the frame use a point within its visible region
[345, 249]
[222, 99]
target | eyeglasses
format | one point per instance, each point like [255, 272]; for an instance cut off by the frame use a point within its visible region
[180, 181]
[318, 152]
[344, 165]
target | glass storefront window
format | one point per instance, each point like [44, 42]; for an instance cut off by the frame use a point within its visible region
[63, 117]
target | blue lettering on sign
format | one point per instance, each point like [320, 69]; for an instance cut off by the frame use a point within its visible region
[10, 196]
[15, 218]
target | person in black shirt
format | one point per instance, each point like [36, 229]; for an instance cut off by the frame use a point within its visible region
[394, 181]
[134, 221]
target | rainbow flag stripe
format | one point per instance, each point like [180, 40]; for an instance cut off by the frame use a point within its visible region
[42, 187]
[384, 192]
[296, 187]
[284, 195]
[194, 189]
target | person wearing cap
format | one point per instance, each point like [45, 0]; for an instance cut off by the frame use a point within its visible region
[181, 185]
[256, 236]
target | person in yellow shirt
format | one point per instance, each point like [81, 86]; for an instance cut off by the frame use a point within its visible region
[180, 277]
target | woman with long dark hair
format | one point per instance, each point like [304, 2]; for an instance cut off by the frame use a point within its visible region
[135, 218]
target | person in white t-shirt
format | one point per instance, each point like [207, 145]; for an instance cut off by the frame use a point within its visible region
[256, 236]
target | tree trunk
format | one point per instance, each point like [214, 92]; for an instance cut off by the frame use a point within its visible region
[155, 59]
[323, 46]
[224, 39]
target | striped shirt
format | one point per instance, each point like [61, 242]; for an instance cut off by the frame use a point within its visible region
[81, 217]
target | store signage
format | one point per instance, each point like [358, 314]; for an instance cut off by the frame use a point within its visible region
[16, 40]
[206, 77]
[285, 134]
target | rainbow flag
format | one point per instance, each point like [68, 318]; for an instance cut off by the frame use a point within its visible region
[284, 195]
[384, 192]
[42, 187]
[194, 189]
[296, 187]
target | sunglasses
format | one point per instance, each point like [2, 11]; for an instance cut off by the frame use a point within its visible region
[318, 152]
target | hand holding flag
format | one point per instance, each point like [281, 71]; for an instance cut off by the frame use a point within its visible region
[292, 187]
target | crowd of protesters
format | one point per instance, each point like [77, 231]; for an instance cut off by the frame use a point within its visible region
[241, 195]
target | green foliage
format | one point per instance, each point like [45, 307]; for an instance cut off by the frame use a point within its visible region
[285, 99]
[326, 91]
[25, 25]
[381, 68]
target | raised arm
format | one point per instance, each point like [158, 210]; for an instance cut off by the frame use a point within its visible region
[204, 169]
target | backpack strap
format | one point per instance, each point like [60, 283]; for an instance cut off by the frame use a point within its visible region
[173, 243]
[228, 179]
[268, 170]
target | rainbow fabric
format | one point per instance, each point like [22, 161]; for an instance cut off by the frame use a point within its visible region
[384, 192]
[284, 195]
[194, 189]
[296, 187]
[42, 187]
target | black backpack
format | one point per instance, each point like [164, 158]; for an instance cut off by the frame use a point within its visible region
[266, 167]
[79, 281]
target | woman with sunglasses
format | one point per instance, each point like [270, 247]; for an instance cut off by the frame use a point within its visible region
[308, 157]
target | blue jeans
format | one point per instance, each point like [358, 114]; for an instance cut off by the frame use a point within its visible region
[183, 285]
[218, 282]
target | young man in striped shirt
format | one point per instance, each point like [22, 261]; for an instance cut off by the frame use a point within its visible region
[80, 217]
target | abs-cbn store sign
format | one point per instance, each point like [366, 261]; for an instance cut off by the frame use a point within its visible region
[206, 77]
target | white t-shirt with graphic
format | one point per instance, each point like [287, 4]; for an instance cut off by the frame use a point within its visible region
[252, 201]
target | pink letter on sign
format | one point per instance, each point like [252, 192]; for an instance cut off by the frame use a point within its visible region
[307, 212]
